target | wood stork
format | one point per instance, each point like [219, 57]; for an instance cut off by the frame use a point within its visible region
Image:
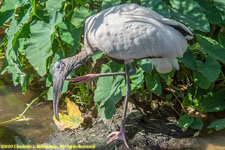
[124, 33]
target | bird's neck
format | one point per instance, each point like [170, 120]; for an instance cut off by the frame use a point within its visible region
[76, 61]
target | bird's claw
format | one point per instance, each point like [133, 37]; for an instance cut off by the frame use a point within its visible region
[118, 136]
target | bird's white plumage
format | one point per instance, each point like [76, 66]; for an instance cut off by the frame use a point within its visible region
[129, 31]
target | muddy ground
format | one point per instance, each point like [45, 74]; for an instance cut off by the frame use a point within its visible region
[157, 131]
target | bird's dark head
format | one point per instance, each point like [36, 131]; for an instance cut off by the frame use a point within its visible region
[60, 72]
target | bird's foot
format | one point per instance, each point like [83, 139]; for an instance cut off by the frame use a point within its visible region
[83, 79]
[118, 136]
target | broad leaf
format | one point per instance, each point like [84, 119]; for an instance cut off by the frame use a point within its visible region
[8, 8]
[212, 47]
[97, 56]
[39, 44]
[197, 124]
[137, 79]
[108, 93]
[12, 55]
[146, 65]
[210, 69]
[212, 13]
[110, 3]
[221, 39]
[189, 60]
[213, 102]
[66, 36]
[200, 80]
[220, 4]
[157, 5]
[72, 120]
[185, 121]
[80, 15]
[108, 109]
[153, 84]
[190, 13]
[218, 124]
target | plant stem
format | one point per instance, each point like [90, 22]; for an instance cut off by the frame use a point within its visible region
[177, 99]
[33, 101]
[60, 45]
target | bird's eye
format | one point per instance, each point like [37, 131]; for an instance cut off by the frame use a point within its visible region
[58, 66]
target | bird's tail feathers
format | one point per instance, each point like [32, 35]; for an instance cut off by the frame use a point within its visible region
[165, 65]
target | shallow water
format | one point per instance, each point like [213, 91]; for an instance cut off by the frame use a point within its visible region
[13, 103]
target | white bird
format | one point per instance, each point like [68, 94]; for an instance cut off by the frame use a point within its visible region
[124, 33]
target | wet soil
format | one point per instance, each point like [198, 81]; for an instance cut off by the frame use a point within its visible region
[155, 132]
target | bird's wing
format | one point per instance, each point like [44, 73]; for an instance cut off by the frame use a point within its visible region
[178, 26]
[130, 31]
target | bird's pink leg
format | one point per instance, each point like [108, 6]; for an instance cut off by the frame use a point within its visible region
[119, 135]
[90, 77]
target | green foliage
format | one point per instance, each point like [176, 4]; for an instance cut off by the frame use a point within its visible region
[107, 95]
[42, 32]
[218, 124]
[185, 121]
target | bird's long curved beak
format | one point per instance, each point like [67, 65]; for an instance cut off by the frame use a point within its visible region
[57, 88]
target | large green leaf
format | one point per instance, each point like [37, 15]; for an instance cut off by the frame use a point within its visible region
[39, 44]
[157, 5]
[137, 79]
[66, 36]
[12, 55]
[218, 124]
[220, 4]
[197, 124]
[110, 3]
[200, 80]
[8, 8]
[5, 16]
[108, 109]
[80, 15]
[212, 13]
[108, 93]
[213, 102]
[53, 6]
[153, 84]
[146, 65]
[210, 69]
[190, 13]
[97, 56]
[221, 38]
[12, 4]
[189, 60]
[212, 47]
[185, 121]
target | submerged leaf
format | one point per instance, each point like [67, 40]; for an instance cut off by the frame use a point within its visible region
[72, 120]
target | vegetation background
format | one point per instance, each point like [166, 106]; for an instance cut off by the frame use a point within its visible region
[37, 33]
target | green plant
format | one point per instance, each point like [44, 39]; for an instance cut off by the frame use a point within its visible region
[38, 33]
